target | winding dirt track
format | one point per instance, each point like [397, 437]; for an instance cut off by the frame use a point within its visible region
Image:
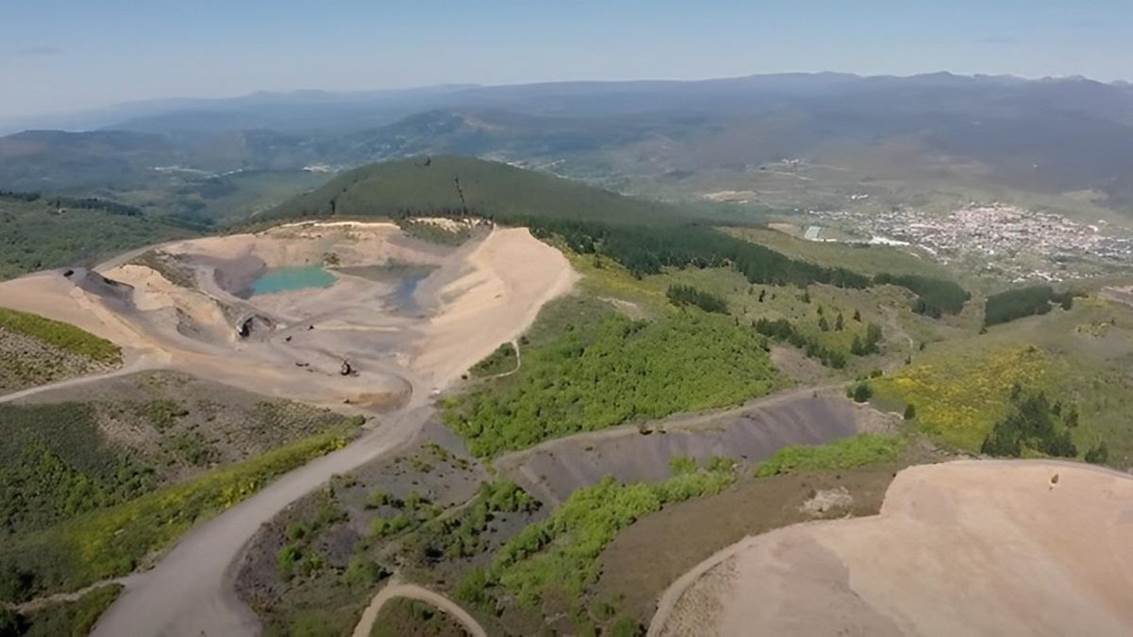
[494, 296]
[191, 592]
[143, 363]
[395, 589]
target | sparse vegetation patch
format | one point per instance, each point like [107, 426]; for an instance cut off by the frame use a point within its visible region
[560, 554]
[604, 372]
[847, 453]
[64, 336]
[113, 541]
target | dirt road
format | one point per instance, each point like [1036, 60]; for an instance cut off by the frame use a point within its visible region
[486, 301]
[190, 592]
[143, 363]
[397, 589]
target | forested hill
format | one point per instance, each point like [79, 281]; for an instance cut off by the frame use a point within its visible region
[450, 184]
[643, 236]
[40, 231]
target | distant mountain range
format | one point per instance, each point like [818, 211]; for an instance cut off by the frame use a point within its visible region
[1048, 136]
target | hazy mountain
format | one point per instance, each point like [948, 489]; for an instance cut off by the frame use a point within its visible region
[53, 160]
[292, 110]
[1049, 135]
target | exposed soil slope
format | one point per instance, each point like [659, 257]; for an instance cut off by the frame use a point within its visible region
[187, 303]
[751, 433]
[961, 548]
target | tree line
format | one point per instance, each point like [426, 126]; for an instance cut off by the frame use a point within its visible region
[682, 295]
[84, 203]
[1028, 301]
[1032, 424]
[935, 297]
[645, 250]
[782, 330]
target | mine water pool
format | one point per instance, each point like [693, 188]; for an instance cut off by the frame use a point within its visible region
[292, 278]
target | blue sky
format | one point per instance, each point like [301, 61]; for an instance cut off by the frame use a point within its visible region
[62, 55]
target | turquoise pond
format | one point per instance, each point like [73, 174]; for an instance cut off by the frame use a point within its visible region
[291, 278]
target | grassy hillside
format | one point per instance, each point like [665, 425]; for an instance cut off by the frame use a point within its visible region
[39, 232]
[486, 188]
[588, 368]
[64, 336]
[72, 618]
[141, 456]
[97, 477]
[35, 350]
[960, 388]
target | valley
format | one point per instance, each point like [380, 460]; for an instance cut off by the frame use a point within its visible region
[411, 399]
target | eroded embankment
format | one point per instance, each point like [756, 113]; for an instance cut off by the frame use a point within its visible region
[961, 548]
[553, 470]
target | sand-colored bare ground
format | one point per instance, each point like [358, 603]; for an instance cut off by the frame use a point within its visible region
[477, 296]
[510, 277]
[961, 548]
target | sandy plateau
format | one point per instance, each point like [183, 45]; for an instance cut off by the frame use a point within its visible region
[375, 337]
[961, 548]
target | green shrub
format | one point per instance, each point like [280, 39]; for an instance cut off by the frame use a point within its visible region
[55, 464]
[782, 330]
[627, 627]
[1098, 454]
[12, 624]
[72, 618]
[683, 295]
[847, 453]
[110, 542]
[679, 465]
[561, 552]
[602, 372]
[286, 559]
[861, 392]
[1031, 424]
[377, 498]
[501, 361]
[361, 571]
